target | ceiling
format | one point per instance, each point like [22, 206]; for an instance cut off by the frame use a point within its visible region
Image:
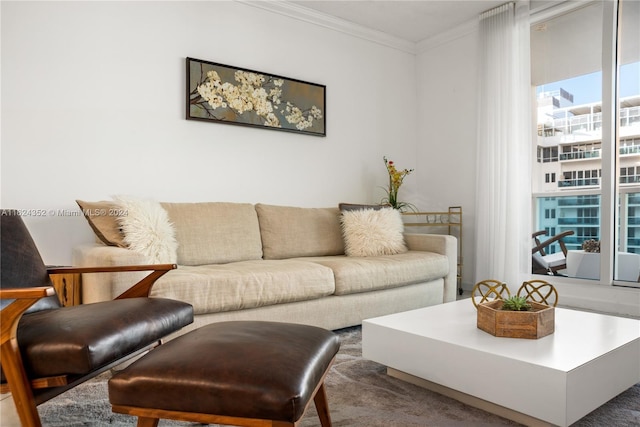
[411, 20]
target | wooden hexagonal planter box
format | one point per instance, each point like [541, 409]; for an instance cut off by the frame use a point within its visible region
[533, 324]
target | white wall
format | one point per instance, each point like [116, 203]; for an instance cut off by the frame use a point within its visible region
[93, 105]
[447, 70]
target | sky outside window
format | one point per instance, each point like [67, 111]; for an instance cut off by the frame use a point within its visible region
[588, 88]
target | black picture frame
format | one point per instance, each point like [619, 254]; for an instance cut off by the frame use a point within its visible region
[239, 96]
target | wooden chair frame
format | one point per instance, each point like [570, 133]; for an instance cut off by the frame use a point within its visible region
[28, 394]
[540, 248]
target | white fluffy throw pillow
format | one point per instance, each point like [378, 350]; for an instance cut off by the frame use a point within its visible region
[370, 232]
[147, 229]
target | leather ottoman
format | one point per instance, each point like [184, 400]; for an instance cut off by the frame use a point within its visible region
[244, 373]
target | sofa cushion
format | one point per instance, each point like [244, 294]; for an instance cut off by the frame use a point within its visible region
[364, 274]
[147, 229]
[215, 232]
[247, 284]
[298, 232]
[103, 219]
[345, 207]
[371, 232]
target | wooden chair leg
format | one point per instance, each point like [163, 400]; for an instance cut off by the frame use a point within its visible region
[148, 422]
[322, 406]
[11, 360]
[19, 385]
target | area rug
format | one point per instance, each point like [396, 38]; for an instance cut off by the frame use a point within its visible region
[360, 394]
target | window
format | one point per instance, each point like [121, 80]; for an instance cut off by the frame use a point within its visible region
[592, 119]
[547, 154]
[550, 177]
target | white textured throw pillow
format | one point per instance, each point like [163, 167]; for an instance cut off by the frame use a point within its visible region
[147, 229]
[370, 232]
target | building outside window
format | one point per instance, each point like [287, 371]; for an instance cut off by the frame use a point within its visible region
[570, 143]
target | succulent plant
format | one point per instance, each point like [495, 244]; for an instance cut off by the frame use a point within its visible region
[516, 303]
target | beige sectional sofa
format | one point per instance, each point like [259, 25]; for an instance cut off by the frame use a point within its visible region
[265, 262]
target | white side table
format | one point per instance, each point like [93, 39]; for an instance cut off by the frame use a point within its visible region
[583, 265]
[586, 265]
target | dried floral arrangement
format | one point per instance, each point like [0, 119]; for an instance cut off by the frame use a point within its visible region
[591, 245]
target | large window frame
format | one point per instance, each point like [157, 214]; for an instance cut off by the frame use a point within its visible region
[608, 194]
[609, 175]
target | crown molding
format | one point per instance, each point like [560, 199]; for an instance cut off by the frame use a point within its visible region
[301, 13]
[555, 9]
[472, 25]
[469, 27]
[295, 11]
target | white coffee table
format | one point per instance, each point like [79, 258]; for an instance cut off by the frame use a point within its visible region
[558, 379]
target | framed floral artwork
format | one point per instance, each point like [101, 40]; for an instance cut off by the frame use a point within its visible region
[232, 95]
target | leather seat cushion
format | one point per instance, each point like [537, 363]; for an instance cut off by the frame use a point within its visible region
[80, 339]
[247, 369]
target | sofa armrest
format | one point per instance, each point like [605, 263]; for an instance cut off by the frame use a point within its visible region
[98, 287]
[443, 244]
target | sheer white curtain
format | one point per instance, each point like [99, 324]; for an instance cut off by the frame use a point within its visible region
[504, 150]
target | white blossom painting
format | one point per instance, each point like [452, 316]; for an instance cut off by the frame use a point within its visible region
[226, 94]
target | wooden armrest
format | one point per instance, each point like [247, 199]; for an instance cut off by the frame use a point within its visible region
[140, 289]
[539, 233]
[11, 314]
[557, 237]
[17, 293]
[112, 269]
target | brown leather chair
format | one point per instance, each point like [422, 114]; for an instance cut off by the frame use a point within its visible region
[47, 349]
